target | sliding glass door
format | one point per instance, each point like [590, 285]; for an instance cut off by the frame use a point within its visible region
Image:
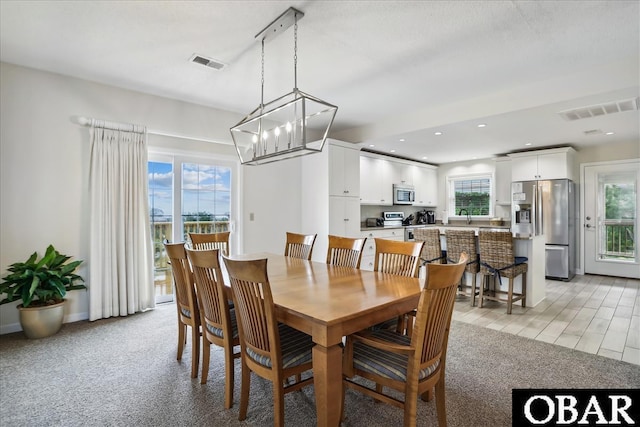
[186, 196]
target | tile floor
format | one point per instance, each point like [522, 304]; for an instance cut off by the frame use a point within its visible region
[595, 314]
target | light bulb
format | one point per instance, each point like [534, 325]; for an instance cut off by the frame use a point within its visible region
[276, 131]
[288, 127]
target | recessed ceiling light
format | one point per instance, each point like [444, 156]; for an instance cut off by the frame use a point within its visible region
[371, 145]
[424, 158]
[437, 133]
[527, 144]
[401, 139]
[610, 133]
[482, 125]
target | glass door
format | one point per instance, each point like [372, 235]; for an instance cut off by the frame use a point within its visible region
[161, 218]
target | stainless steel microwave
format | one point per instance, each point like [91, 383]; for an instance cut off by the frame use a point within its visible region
[403, 194]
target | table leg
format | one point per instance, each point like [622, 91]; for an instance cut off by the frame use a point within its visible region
[327, 383]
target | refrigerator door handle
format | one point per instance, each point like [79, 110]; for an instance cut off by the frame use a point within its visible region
[538, 209]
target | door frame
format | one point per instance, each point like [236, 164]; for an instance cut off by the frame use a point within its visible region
[581, 243]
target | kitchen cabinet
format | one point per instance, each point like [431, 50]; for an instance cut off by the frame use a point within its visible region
[375, 181]
[369, 250]
[425, 181]
[401, 173]
[503, 181]
[556, 163]
[344, 216]
[344, 171]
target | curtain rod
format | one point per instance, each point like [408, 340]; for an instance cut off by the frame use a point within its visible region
[86, 121]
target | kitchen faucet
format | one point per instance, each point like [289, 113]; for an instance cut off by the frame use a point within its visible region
[466, 212]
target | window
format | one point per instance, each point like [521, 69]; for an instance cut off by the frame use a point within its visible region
[470, 195]
[186, 196]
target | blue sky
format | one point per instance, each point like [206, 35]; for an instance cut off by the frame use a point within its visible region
[205, 188]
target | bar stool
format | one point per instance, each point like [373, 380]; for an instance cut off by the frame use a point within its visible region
[431, 250]
[459, 241]
[497, 260]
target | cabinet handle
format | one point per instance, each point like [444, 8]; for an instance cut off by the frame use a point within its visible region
[346, 219]
[346, 191]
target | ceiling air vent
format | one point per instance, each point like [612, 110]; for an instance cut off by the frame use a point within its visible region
[208, 62]
[600, 109]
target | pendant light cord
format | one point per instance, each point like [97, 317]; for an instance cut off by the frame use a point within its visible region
[295, 54]
[262, 78]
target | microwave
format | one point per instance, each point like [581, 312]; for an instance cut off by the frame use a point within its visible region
[403, 194]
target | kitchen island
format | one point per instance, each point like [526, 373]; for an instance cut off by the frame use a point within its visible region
[531, 247]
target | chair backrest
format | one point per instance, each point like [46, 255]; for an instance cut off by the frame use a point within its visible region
[214, 305]
[255, 312]
[396, 257]
[496, 249]
[459, 241]
[345, 251]
[299, 245]
[433, 317]
[211, 241]
[183, 280]
[431, 251]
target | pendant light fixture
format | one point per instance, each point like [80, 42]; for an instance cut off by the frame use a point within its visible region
[292, 125]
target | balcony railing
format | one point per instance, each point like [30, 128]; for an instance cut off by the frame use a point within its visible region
[619, 239]
[162, 231]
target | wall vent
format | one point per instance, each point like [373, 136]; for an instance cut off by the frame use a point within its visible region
[600, 109]
[208, 62]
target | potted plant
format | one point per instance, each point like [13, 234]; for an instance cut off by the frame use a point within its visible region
[41, 286]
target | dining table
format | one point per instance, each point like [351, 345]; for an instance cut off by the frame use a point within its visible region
[329, 302]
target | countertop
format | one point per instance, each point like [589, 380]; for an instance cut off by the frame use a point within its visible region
[472, 226]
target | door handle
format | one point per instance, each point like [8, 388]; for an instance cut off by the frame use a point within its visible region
[587, 225]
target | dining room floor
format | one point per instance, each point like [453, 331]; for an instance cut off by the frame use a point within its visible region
[595, 314]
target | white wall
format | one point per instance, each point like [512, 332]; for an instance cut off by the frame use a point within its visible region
[45, 158]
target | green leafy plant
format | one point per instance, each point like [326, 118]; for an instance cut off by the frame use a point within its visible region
[43, 282]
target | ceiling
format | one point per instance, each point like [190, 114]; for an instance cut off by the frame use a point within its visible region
[399, 71]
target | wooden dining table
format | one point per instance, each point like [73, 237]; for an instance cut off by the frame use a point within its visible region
[328, 303]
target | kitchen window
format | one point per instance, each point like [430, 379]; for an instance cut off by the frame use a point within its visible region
[470, 196]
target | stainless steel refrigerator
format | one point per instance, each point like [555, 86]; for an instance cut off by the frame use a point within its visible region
[548, 208]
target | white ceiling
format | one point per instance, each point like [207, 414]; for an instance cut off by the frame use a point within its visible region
[396, 69]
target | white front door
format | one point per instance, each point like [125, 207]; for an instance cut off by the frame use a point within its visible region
[610, 219]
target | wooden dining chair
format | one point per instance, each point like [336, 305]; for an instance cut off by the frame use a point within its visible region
[459, 241]
[412, 365]
[497, 260]
[399, 258]
[299, 245]
[271, 350]
[211, 241]
[219, 325]
[345, 251]
[186, 302]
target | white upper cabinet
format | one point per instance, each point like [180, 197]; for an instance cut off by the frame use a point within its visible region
[344, 171]
[401, 173]
[503, 181]
[556, 163]
[375, 181]
[425, 181]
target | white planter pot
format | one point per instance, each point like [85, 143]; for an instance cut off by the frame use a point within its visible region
[41, 322]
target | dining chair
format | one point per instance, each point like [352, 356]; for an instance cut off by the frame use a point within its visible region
[431, 250]
[211, 241]
[270, 349]
[399, 258]
[345, 251]
[411, 365]
[459, 241]
[299, 245]
[186, 302]
[218, 320]
[497, 260]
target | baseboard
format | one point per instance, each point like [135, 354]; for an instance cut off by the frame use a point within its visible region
[15, 327]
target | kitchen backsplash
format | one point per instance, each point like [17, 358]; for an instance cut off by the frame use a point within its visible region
[369, 211]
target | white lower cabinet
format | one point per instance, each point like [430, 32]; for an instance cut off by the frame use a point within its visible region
[369, 251]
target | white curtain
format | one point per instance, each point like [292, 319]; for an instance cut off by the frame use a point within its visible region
[120, 259]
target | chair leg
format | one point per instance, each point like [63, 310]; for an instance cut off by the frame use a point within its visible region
[228, 380]
[206, 355]
[482, 285]
[181, 338]
[278, 400]
[410, 404]
[473, 290]
[524, 289]
[244, 391]
[510, 296]
[195, 351]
